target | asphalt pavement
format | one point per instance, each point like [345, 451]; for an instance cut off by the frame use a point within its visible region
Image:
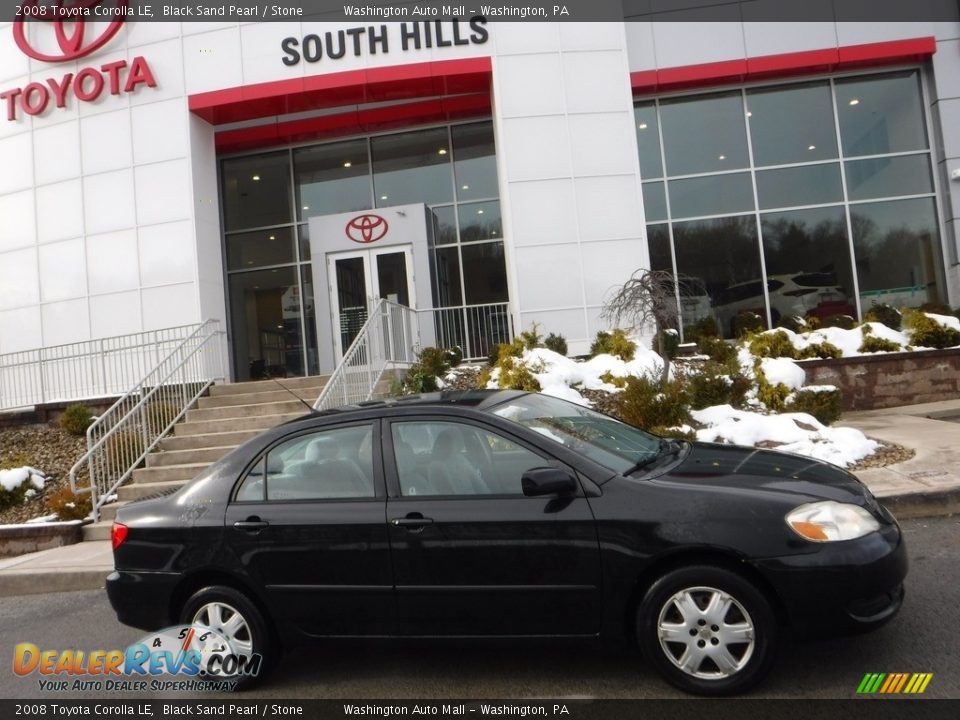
[925, 637]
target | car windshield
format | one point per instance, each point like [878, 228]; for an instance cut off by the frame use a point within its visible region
[604, 440]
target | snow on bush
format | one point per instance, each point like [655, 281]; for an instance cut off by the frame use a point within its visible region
[11, 480]
[798, 433]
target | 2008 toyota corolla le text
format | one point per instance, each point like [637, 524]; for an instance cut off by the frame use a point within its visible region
[501, 513]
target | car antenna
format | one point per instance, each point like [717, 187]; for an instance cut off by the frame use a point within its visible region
[309, 406]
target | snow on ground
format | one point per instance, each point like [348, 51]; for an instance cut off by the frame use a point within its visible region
[12, 479]
[783, 370]
[948, 320]
[793, 432]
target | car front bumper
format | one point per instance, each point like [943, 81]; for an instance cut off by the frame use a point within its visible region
[142, 599]
[854, 585]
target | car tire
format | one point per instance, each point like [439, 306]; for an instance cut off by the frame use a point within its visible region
[214, 607]
[707, 630]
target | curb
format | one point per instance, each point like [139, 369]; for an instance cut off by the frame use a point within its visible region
[936, 503]
[47, 580]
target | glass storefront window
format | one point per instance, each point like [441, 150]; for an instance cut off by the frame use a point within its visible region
[446, 277]
[444, 225]
[259, 248]
[881, 114]
[256, 191]
[267, 339]
[480, 221]
[704, 134]
[309, 319]
[808, 253]
[658, 242]
[332, 178]
[654, 201]
[897, 252]
[721, 256]
[711, 195]
[474, 161]
[648, 140]
[792, 124]
[801, 185]
[484, 273]
[412, 167]
[889, 177]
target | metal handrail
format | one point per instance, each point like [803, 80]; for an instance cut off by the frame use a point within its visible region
[105, 367]
[387, 339]
[121, 438]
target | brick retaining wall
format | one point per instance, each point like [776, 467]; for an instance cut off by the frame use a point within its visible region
[868, 382]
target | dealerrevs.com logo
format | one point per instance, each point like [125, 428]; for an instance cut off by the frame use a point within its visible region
[54, 34]
[197, 658]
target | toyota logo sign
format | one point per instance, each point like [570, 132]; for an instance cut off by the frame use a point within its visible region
[72, 42]
[366, 228]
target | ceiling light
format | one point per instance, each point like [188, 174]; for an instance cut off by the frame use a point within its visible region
[347, 164]
[306, 207]
[811, 147]
[721, 157]
[442, 151]
[273, 237]
[466, 187]
[855, 101]
[256, 178]
[479, 212]
[642, 126]
[383, 197]
[279, 327]
[249, 262]
[749, 114]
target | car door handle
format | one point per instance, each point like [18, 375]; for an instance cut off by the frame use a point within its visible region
[414, 523]
[252, 524]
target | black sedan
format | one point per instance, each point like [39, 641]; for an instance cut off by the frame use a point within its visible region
[506, 514]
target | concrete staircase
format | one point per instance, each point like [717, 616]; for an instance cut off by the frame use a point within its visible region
[230, 415]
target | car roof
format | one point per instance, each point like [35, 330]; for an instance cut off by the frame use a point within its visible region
[479, 399]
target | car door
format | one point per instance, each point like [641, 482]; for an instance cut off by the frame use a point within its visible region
[308, 524]
[471, 554]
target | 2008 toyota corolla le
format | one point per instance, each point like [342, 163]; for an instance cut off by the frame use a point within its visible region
[511, 514]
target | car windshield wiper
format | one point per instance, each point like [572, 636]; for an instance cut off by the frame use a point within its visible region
[667, 447]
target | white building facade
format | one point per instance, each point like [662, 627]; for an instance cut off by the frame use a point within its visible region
[276, 176]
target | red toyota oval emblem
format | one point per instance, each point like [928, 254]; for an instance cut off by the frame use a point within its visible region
[367, 228]
[72, 42]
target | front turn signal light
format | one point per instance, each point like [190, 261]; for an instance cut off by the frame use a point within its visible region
[830, 521]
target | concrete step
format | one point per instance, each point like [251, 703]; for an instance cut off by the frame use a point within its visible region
[155, 475]
[142, 490]
[244, 411]
[187, 457]
[258, 423]
[98, 530]
[207, 440]
[256, 386]
[109, 511]
[309, 395]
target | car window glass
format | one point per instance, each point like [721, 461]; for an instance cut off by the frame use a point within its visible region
[448, 458]
[325, 465]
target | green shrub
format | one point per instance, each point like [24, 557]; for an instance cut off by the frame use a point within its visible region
[793, 322]
[717, 384]
[776, 344]
[770, 394]
[494, 354]
[820, 350]
[646, 404]
[615, 342]
[936, 308]
[615, 380]
[886, 315]
[671, 342]
[531, 338]
[824, 405]
[68, 505]
[16, 495]
[872, 343]
[839, 321]
[926, 332]
[515, 375]
[557, 343]
[702, 329]
[76, 419]
[431, 364]
[718, 349]
[747, 323]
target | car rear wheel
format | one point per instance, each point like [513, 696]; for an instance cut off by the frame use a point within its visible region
[707, 630]
[232, 615]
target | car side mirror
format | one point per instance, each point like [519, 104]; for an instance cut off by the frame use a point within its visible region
[547, 481]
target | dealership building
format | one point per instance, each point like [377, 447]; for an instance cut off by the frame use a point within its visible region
[279, 176]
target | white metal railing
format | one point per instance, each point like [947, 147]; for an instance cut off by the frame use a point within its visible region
[120, 439]
[84, 370]
[475, 329]
[386, 340]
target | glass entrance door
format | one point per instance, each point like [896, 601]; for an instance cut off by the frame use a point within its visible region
[358, 279]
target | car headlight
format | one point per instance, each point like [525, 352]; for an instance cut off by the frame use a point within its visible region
[828, 521]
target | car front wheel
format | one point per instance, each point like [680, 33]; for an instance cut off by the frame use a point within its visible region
[233, 617]
[707, 630]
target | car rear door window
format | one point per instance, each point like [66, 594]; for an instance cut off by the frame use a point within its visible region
[325, 465]
[450, 458]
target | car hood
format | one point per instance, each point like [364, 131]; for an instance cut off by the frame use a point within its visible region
[747, 468]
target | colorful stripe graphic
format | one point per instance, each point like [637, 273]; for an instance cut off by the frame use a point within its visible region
[894, 683]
